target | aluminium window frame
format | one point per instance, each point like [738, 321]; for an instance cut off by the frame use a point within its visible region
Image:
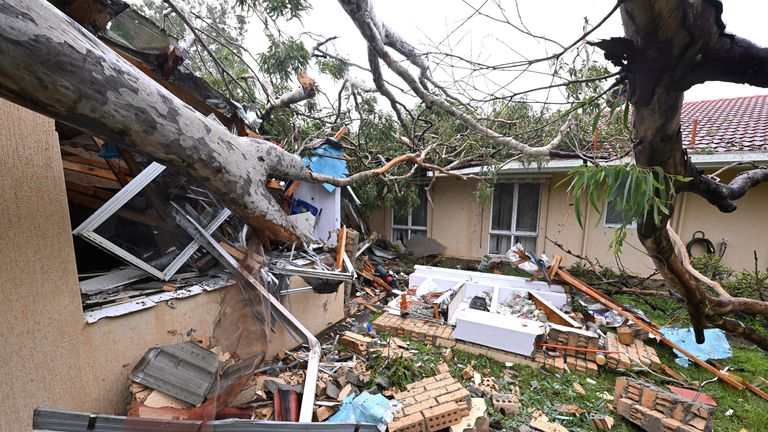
[410, 227]
[513, 233]
[87, 229]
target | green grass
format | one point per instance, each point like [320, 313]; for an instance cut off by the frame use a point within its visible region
[544, 390]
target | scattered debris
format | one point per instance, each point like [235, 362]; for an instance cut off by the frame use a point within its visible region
[715, 347]
[656, 410]
[540, 422]
[432, 404]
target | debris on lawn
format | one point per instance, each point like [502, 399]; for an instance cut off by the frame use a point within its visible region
[656, 410]
[715, 347]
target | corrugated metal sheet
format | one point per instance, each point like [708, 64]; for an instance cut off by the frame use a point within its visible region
[70, 421]
[185, 371]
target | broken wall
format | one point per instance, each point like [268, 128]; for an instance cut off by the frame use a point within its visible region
[50, 356]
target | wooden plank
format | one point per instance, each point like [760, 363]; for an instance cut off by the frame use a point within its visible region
[88, 169]
[341, 245]
[651, 328]
[113, 165]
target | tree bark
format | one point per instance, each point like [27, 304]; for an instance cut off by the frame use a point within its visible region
[669, 47]
[55, 67]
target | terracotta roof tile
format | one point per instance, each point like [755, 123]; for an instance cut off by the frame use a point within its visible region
[727, 125]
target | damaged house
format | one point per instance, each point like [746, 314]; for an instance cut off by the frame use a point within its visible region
[530, 203]
[96, 266]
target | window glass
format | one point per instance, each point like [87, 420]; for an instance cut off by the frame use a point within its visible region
[399, 219]
[527, 207]
[400, 234]
[419, 214]
[499, 244]
[612, 215]
[503, 201]
[529, 243]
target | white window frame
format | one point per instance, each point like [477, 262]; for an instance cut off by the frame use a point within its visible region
[87, 229]
[410, 227]
[513, 233]
[611, 224]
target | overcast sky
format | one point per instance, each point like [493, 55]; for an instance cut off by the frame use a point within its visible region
[425, 22]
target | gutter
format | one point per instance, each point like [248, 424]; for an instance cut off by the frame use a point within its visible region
[293, 325]
[716, 160]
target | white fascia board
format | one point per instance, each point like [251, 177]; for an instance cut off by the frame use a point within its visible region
[715, 160]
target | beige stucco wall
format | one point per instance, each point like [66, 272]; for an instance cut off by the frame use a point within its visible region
[50, 357]
[458, 221]
[461, 224]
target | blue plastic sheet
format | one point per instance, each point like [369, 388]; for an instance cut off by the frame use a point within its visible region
[334, 165]
[716, 345]
[366, 408]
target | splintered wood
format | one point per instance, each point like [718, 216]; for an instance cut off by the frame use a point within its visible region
[431, 404]
[657, 410]
[630, 355]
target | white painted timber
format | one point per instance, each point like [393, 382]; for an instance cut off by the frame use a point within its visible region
[515, 335]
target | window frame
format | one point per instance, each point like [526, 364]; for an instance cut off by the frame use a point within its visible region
[612, 225]
[410, 228]
[513, 233]
[87, 229]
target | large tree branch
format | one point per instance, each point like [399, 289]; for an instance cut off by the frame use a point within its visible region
[80, 81]
[375, 33]
[305, 91]
[733, 59]
[723, 195]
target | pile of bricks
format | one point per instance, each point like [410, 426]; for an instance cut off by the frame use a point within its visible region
[431, 404]
[355, 342]
[441, 334]
[559, 335]
[630, 355]
[428, 331]
[571, 359]
[657, 410]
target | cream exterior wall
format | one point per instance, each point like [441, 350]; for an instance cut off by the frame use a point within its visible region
[456, 220]
[50, 356]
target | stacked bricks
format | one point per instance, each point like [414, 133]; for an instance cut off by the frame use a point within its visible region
[630, 355]
[431, 404]
[656, 410]
[575, 338]
[428, 331]
[355, 342]
[441, 334]
[573, 360]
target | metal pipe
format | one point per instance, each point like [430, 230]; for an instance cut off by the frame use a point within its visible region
[290, 322]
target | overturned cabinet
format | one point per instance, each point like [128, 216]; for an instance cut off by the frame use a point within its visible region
[497, 311]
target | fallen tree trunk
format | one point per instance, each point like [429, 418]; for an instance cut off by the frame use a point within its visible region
[55, 67]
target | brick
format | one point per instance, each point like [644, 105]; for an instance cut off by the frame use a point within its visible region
[443, 416]
[455, 396]
[419, 407]
[411, 423]
[506, 403]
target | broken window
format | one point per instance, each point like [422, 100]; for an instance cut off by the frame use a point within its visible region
[514, 216]
[130, 253]
[404, 226]
[134, 225]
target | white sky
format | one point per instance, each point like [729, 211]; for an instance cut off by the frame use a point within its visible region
[420, 21]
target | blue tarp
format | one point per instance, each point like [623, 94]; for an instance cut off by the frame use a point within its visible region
[334, 166]
[366, 408]
[716, 345]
